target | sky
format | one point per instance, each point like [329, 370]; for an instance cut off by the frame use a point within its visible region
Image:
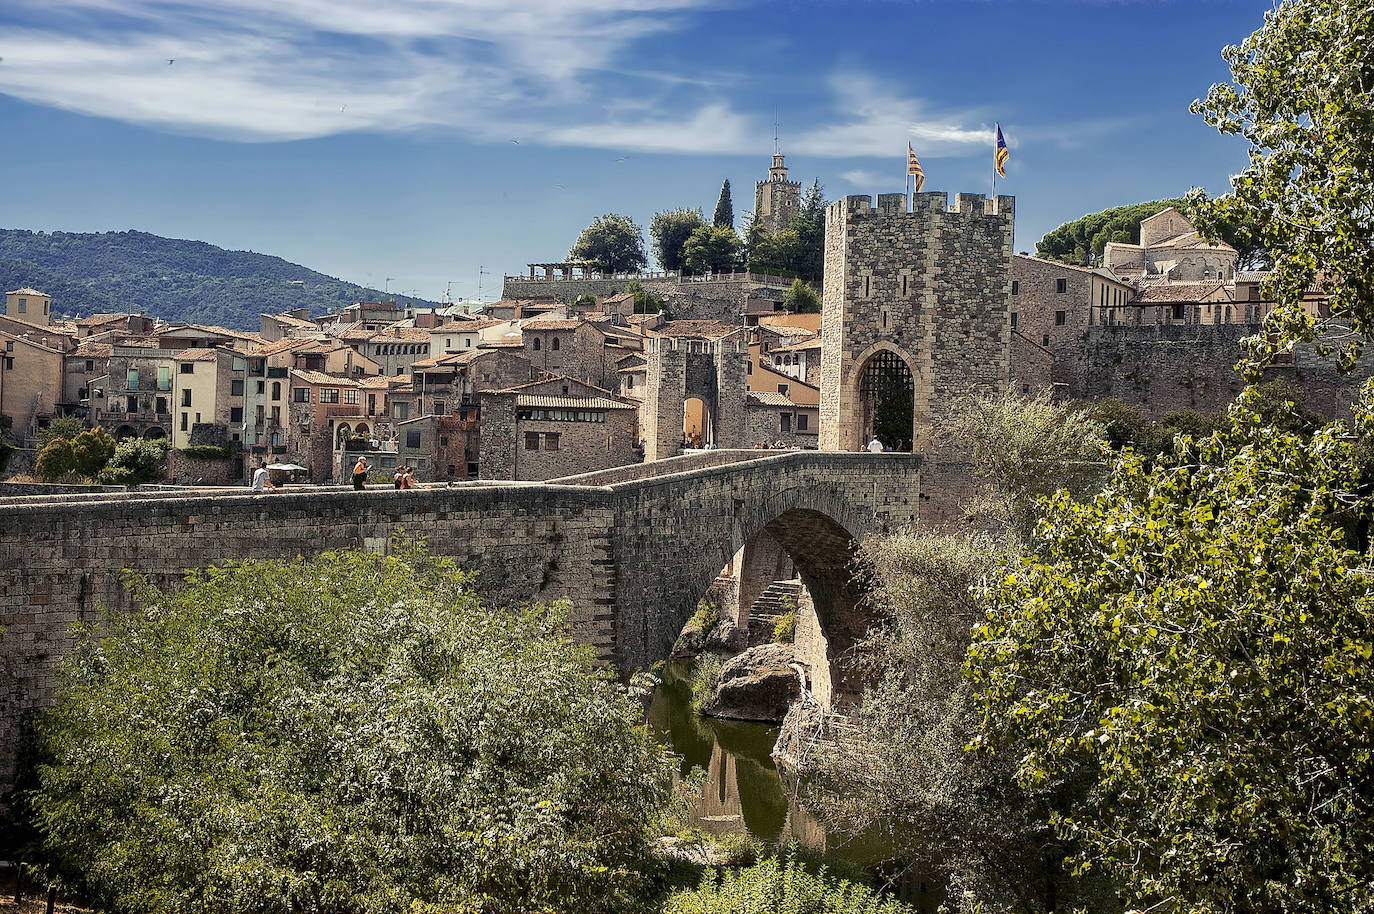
[431, 146]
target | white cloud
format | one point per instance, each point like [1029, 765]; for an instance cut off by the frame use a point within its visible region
[863, 177]
[536, 70]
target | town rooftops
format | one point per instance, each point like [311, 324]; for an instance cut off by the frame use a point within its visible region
[95, 320]
[770, 398]
[710, 330]
[322, 378]
[93, 350]
[544, 401]
[292, 320]
[400, 334]
[813, 343]
[196, 355]
[551, 323]
[26, 291]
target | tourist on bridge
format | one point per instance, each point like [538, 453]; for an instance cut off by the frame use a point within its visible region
[262, 480]
[875, 446]
[360, 474]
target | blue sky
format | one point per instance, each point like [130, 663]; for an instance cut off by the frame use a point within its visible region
[424, 139]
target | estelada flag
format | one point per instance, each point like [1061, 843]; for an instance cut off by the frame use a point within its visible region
[913, 167]
[1001, 154]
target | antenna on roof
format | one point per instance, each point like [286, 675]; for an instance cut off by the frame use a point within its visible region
[776, 148]
[481, 271]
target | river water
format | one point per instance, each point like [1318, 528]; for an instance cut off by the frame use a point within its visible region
[744, 793]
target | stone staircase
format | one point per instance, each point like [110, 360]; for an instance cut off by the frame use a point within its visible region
[778, 599]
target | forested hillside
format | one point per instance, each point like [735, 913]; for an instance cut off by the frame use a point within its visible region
[166, 277]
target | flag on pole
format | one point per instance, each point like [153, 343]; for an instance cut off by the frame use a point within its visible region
[1002, 153]
[913, 168]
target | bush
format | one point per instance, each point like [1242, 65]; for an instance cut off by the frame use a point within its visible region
[351, 733]
[61, 427]
[800, 298]
[785, 628]
[705, 676]
[135, 461]
[782, 886]
[705, 618]
[206, 452]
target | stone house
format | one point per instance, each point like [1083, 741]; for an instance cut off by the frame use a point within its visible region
[440, 448]
[1171, 249]
[800, 360]
[465, 335]
[396, 349]
[138, 396]
[573, 348]
[208, 397]
[553, 428]
[30, 382]
[771, 418]
[1052, 303]
[95, 324]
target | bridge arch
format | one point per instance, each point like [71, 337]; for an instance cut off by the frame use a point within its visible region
[818, 528]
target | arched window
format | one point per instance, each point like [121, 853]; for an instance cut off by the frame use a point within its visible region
[555, 344]
[535, 345]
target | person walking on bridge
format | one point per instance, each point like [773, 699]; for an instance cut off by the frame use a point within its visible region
[875, 446]
[262, 480]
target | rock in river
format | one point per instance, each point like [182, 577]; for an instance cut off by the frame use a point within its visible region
[759, 684]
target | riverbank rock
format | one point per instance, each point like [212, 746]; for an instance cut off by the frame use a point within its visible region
[722, 639]
[759, 684]
[793, 752]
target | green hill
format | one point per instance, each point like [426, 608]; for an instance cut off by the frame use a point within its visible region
[177, 280]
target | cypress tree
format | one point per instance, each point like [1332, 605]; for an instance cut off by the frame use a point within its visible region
[725, 208]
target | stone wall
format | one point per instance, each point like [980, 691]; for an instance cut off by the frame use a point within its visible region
[633, 558]
[931, 285]
[1164, 368]
[677, 369]
[185, 470]
[692, 298]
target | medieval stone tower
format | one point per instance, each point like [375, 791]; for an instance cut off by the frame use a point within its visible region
[916, 314]
[682, 368]
[776, 200]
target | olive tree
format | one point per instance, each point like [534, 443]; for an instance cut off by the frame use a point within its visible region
[1194, 646]
[349, 733]
[1300, 96]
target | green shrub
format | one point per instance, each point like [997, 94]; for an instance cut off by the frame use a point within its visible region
[61, 427]
[784, 886]
[706, 617]
[206, 452]
[785, 628]
[351, 733]
[135, 461]
[705, 675]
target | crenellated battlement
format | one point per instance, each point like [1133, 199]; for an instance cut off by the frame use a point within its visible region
[859, 206]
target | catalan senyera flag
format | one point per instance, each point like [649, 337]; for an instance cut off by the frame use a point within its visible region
[1001, 154]
[913, 168]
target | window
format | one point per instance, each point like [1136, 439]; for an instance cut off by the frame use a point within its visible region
[1013, 320]
[164, 377]
[329, 395]
[188, 367]
[260, 413]
[1178, 312]
[467, 342]
[1045, 338]
[412, 439]
[551, 440]
[531, 441]
[1061, 318]
[784, 389]
[186, 397]
[132, 404]
[1061, 286]
[262, 387]
[276, 390]
[868, 286]
[803, 422]
[1016, 287]
[443, 441]
[400, 411]
[276, 415]
[903, 285]
[236, 414]
[90, 364]
[131, 379]
[238, 364]
[535, 344]
[185, 420]
[236, 388]
[784, 422]
[300, 394]
[160, 405]
[555, 344]
[23, 305]
[439, 407]
[351, 395]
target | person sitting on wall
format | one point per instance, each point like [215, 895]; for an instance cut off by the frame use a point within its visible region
[360, 474]
[875, 446]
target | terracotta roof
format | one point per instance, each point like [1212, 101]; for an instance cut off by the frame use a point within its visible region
[1252, 276]
[93, 350]
[466, 326]
[404, 334]
[1179, 293]
[551, 323]
[786, 330]
[711, 330]
[195, 355]
[632, 369]
[501, 344]
[92, 320]
[324, 378]
[770, 398]
[288, 319]
[26, 292]
[378, 382]
[570, 402]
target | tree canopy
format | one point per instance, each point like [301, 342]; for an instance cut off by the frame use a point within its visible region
[670, 230]
[350, 733]
[800, 298]
[83, 455]
[1083, 240]
[711, 249]
[1300, 96]
[1193, 646]
[613, 243]
[799, 249]
[724, 216]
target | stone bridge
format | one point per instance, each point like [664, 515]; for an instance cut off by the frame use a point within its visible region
[633, 549]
